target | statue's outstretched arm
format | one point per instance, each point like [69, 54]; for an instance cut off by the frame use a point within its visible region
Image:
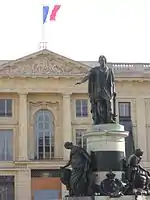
[67, 165]
[84, 79]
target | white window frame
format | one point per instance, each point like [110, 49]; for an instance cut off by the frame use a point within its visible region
[81, 108]
[80, 138]
[2, 131]
[51, 137]
[5, 107]
[126, 109]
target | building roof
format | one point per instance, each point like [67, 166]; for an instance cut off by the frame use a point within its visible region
[139, 68]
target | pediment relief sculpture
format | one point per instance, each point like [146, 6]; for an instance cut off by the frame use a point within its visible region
[44, 65]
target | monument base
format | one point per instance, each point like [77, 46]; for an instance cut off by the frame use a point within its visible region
[107, 141]
[109, 198]
[106, 145]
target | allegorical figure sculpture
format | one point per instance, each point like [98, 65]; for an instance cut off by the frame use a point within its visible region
[101, 91]
[137, 176]
[80, 162]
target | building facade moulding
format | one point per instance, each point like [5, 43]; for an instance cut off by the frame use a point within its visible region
[53, 106]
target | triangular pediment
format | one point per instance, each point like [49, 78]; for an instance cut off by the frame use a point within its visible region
[43, 63]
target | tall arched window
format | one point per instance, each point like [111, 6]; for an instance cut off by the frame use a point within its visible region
[44, 133]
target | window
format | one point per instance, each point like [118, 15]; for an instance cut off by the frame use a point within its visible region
[124, 109]
[7, 189]
[44, 132]
[81, 108]
[6, 145]
[80, 140]
[5, 107]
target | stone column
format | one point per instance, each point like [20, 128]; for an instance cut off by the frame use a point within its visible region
[141, 126]
[23, 127]
[66, 119]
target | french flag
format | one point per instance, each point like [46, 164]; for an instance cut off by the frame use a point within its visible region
[50, 14]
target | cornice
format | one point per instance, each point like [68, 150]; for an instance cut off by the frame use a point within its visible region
[46, 164]
[79, 77]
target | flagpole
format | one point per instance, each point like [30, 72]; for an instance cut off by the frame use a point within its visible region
[45, 11]
[43, 43]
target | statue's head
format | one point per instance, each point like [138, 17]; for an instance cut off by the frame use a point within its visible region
[110, 175]
[102, 60]
[139, 152]
[68, 145]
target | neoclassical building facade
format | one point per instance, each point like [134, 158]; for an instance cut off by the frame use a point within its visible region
[41, 108]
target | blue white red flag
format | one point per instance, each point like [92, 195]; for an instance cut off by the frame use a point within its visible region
[49, 13]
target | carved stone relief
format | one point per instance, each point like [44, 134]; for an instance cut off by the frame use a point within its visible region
[44, 65]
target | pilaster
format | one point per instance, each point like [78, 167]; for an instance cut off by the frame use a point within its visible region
[141, 126]
[23, 185]
[23, 127]
[66, 118]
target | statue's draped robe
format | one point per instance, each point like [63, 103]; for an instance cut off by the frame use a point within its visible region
[100, 89]
[133, 162]
[136, 174]
[80, 163]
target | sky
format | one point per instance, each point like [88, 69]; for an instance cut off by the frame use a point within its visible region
[83, 30]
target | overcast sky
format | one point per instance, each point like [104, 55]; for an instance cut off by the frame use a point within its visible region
[84, 29]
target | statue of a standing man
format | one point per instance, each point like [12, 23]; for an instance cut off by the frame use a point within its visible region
[101, 90]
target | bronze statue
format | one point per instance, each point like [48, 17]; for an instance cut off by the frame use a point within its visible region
[101, 89]
[137, 177]
[65, 175]
[80, 162]
[111, 186]
[133, 162]
[80, 180]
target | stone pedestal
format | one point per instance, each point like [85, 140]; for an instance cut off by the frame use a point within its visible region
[108, 198]
[107, 141]
[78, 198]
